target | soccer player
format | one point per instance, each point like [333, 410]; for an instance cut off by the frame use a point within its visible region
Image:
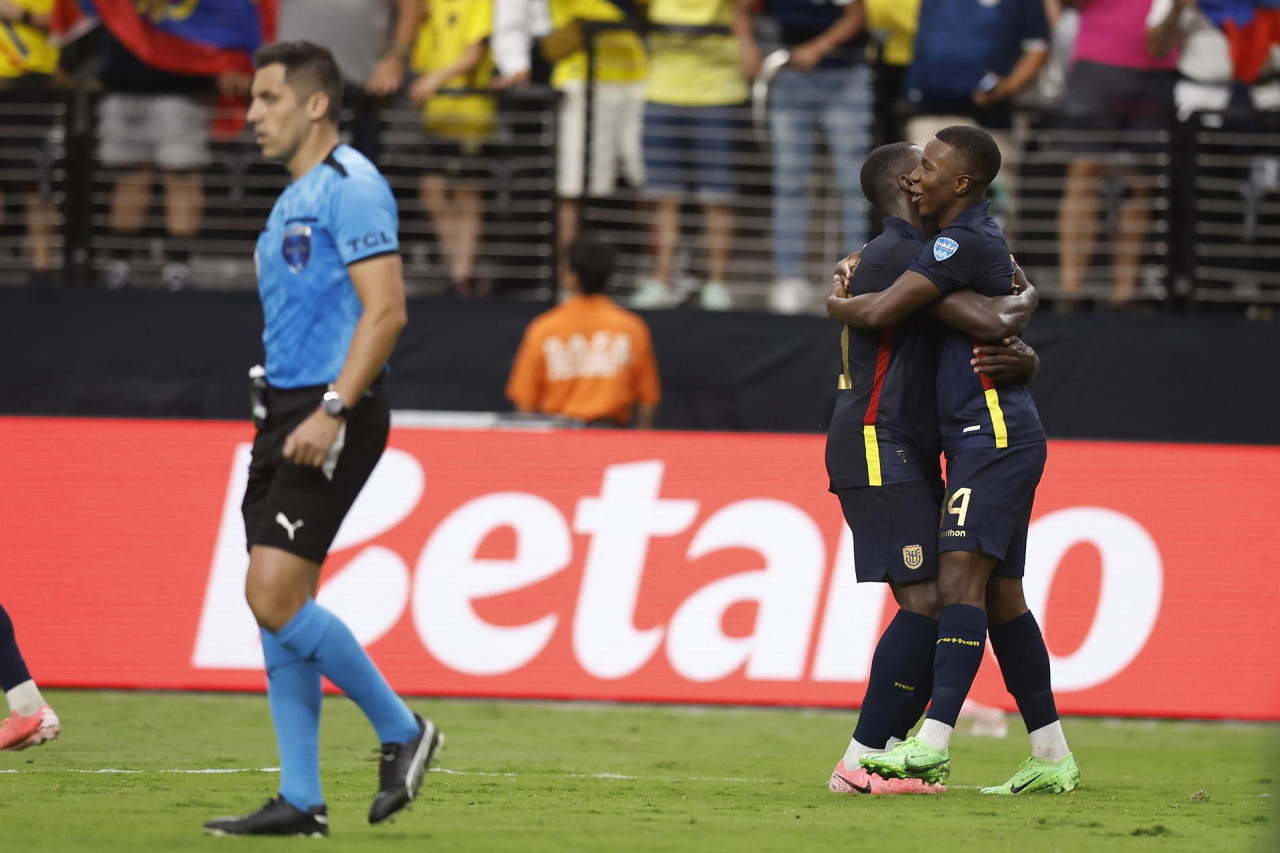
[31, 721]
[333, 305]
[587, 359]
[995, 449]
[882, 459]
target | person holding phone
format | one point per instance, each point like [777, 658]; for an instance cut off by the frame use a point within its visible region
[972, 57]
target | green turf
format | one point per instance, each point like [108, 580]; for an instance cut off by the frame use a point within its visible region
[553, 777]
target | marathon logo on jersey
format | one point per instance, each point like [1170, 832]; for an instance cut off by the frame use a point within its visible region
[296, 247]
[944, 247]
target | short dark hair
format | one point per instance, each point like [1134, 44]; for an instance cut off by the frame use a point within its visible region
[978, 150]
[881, 169]
[308, 68]
[592, 261]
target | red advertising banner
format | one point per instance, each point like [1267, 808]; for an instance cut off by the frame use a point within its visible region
[666, 567]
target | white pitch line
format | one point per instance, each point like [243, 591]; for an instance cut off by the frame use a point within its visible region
[223, 770]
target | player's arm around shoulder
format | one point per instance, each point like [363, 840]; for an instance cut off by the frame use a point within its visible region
[908, 293]
[990, 318]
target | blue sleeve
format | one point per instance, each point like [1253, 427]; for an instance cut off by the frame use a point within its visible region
[1032, 22]
[952, 261]
[363, 218]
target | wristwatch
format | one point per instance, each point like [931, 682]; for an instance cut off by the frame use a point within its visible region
[333, 404]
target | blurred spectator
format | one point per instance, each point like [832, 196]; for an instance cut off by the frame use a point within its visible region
[371, 41]
[702, 53]
[1115, 85]
[587, 360]
[452, 54]
[617, 96]
[971, 58]
[28, 60]
[893, 24]
[825, 89]
[161, 67]
[515, 24]
[1205, 68]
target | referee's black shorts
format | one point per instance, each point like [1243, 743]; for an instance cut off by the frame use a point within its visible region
[296, 508]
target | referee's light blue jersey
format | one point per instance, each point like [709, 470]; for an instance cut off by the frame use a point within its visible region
[340, 212]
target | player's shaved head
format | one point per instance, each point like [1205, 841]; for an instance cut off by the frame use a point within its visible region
[883, 167]
[979, 155]
[308, 68]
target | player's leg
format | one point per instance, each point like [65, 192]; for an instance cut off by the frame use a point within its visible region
[31, 721]
[894, 536]
[1020, 649]
[989, 493]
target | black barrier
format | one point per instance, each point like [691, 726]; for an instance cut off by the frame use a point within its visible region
[157, 354]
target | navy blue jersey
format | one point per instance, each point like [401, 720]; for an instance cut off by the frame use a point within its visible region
[884, 428]
[340, 212]
[974, 411]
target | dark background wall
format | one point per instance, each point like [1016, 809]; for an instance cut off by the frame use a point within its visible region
[158, 354]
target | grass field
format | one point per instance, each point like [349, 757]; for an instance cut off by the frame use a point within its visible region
[534, 777]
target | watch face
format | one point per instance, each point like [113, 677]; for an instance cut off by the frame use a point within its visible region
[332, 404]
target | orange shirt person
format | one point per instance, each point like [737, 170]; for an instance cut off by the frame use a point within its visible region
[587, 359]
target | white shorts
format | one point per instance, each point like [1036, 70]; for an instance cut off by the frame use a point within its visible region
[169, 131]
[617, 132]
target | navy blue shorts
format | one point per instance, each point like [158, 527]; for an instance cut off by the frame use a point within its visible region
[895, 531]
[988, 503]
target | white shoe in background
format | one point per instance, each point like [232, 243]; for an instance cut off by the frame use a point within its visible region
[790, 296]
[714, 296]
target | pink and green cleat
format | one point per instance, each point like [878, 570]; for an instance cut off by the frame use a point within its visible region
[19, 732]
[859, 781]
[911, 759]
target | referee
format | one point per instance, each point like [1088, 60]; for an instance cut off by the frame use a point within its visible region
[332, 292]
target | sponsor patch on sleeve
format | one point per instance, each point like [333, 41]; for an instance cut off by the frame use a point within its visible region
[943, 248]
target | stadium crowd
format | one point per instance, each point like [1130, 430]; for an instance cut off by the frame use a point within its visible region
[701, 112]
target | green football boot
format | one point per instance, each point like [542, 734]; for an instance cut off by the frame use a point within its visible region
[911, 759]
[1041, 777]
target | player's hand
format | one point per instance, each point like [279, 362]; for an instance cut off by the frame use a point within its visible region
[309, 444]
[1011, 359]
[805, 57]
[511, 82]
[9, 11]
[424, 89]
[844, 273]
[387, 76]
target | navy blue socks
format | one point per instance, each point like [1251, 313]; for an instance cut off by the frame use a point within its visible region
[894, 687]
[1024, 661]
[13, 669]
[962, 635]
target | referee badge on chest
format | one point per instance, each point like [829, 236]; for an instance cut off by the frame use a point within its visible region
[296, 246]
